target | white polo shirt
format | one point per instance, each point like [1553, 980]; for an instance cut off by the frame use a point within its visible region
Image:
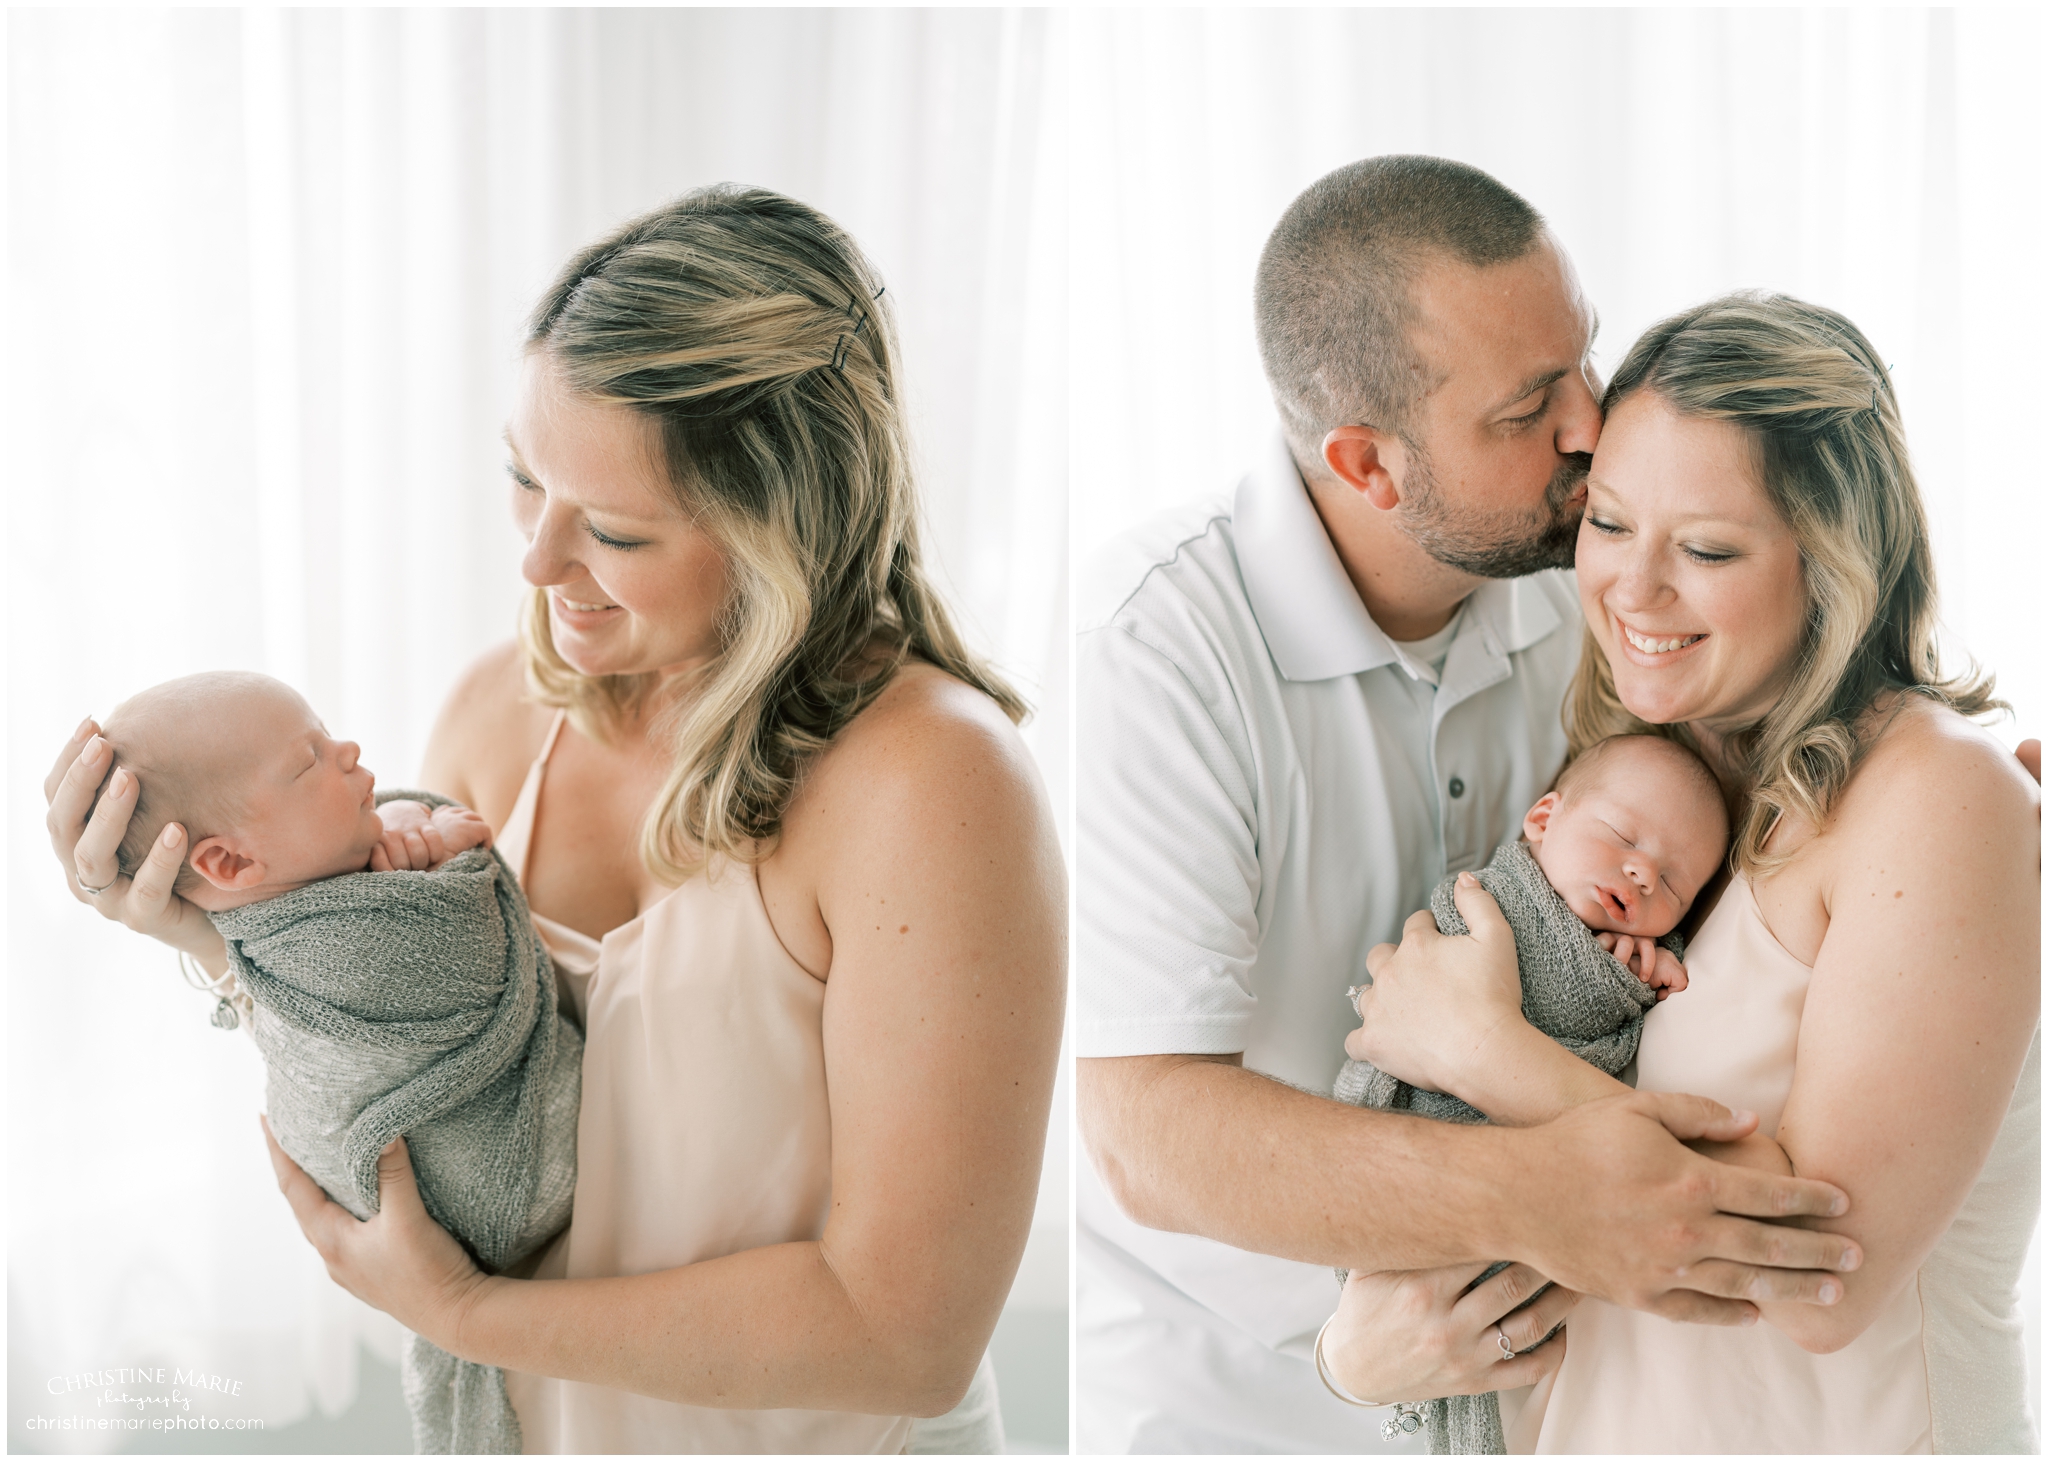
[1268, 787]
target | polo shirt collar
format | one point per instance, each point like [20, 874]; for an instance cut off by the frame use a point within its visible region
[1315, 625]
[1314, 622]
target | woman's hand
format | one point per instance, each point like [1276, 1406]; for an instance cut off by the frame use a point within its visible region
[87, 850]
[1438, 1003]
[400, 1261]
[1408, 1335]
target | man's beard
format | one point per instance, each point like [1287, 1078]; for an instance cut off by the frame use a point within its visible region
[1495, 548]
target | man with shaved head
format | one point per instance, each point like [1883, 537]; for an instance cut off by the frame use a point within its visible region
[1301, 707]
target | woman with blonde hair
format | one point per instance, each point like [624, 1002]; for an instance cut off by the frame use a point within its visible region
[793, 864]
[1757, 583]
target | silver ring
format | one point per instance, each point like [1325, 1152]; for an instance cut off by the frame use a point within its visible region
[1507, 1351]
[90, 892]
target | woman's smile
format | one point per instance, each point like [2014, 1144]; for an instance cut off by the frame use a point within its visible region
[578, 614]
[1650, 644]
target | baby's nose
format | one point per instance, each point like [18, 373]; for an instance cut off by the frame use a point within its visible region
[349, 753]
[1643, 869]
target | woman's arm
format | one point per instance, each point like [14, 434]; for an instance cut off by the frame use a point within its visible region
[1924, 997]
[926, 838]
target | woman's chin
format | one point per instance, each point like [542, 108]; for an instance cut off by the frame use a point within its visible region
[1658, 707]
[583, 652]
[590, 667]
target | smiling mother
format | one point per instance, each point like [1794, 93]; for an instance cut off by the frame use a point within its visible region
[793, 863]
[1757, 582]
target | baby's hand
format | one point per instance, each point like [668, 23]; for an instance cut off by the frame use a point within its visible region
[460, 829]
[420, 839]
[1647, 960]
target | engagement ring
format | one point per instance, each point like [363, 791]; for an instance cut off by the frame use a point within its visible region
[1507, 1351]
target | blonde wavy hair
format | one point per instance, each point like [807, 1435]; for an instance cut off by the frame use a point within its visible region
[750, 329]
[1811, 394]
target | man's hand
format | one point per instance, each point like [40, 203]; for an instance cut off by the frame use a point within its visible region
[1647, 960]
[1439, 1002]
[421, 839]
[1605, 1201]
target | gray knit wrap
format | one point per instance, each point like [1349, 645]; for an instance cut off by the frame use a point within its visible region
[1573, 991]
[422, 1005]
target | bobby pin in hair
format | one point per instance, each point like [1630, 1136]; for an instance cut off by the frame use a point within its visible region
[860, 324]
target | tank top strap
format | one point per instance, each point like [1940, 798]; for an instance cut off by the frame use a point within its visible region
[515, 838]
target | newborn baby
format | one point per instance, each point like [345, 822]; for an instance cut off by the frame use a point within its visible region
[1632, 833]
[1609, 864]
[244, 754]
[392, 979]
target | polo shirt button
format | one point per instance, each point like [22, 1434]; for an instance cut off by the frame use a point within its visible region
[1457, 786]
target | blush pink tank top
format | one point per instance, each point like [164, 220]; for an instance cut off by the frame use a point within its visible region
[1940, 1369]
[704, 1131]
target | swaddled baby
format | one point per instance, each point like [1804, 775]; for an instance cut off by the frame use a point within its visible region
[392, 978]
[1610, 862]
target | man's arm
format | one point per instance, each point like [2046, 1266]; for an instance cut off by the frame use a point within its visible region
[1604, 1200]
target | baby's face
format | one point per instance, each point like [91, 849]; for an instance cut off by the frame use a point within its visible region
[1632, 846]
[309, 805]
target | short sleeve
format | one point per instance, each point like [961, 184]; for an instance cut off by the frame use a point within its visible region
[1168, 873]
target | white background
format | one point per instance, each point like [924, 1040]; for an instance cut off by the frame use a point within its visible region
[1888, 163]
[267, 275]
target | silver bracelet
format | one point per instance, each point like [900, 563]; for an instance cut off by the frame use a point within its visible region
[1407, 1418]
[227, 1015]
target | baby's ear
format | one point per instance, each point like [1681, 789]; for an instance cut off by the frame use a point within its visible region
[1537, 823]
[223, 867]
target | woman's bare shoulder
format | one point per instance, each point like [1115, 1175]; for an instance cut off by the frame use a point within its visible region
[925, 722]
[489, 731]
[1937, 780]
[1926, 747]
[928, 741]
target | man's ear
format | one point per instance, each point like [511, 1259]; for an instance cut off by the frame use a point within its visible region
[1369, 461]
[1537, 823]
[223, 867]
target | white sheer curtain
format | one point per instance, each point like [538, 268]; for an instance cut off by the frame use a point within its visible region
[267, 273]
[1888, 163]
